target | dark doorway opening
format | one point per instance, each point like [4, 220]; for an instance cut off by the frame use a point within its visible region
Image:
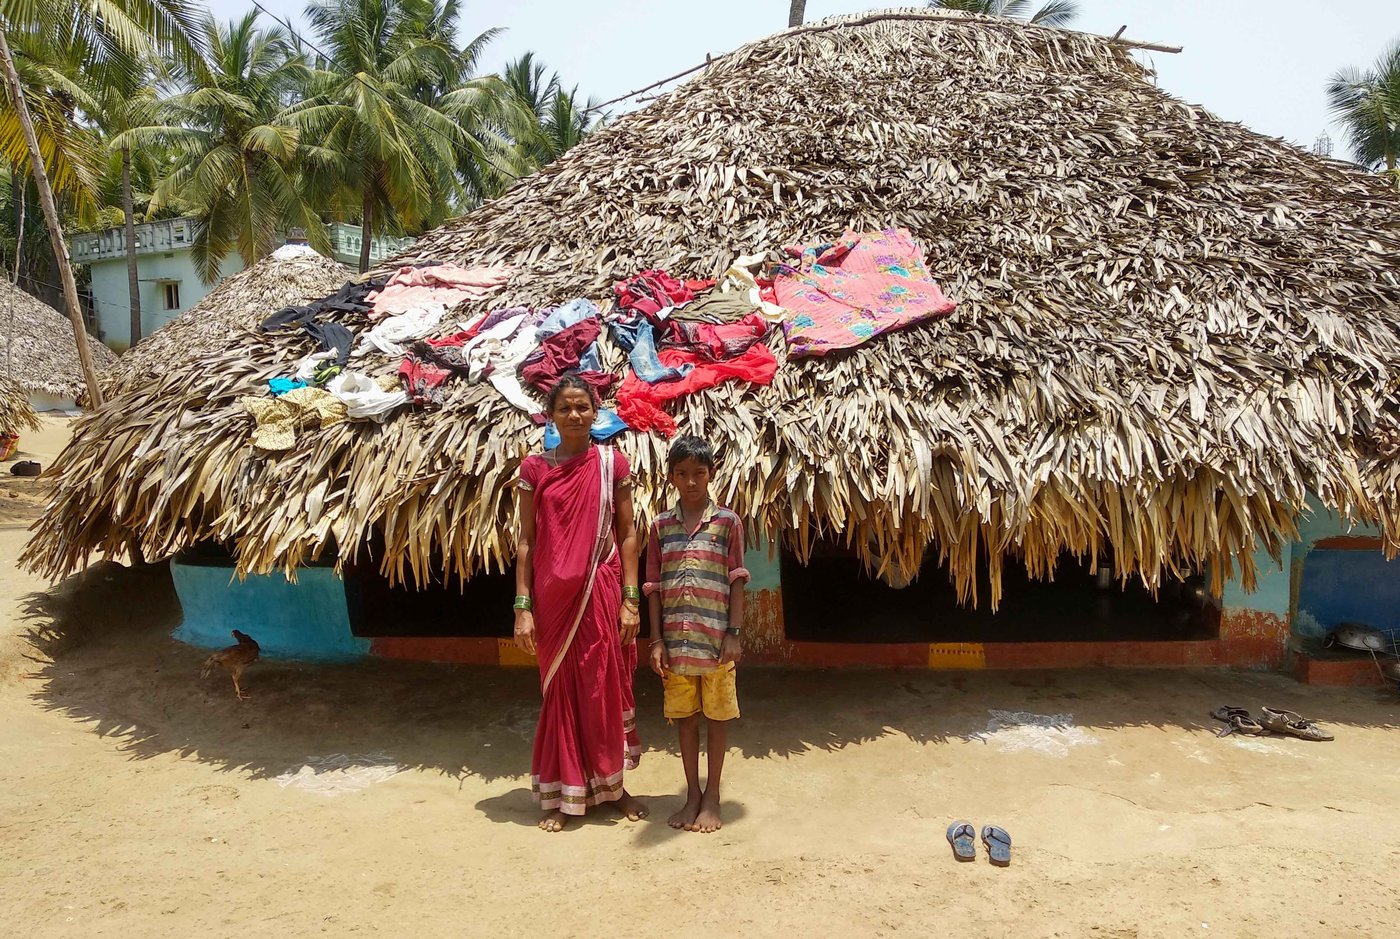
[833, 599]
[480, 607]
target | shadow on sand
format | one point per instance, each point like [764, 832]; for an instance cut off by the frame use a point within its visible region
[102, 655]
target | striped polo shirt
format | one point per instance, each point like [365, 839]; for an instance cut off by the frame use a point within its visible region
[694, 570]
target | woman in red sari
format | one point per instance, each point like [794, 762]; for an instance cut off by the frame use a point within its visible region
[576, 609]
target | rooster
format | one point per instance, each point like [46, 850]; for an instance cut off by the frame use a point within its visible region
[235, 659]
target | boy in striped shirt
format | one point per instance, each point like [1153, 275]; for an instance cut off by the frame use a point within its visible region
[695, 587]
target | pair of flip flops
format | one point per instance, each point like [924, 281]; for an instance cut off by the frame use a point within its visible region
[1271, 721]
[998, 842]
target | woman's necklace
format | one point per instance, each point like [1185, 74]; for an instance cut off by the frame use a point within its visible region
[555, 458]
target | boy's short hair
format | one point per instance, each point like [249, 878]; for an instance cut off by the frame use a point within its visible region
[690, 447]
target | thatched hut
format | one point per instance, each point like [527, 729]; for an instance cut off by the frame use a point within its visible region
[1171, 330]
[219, 329]
[39, 355]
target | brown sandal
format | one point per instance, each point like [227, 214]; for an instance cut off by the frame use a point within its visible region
[1295, 725]
[1239, 722]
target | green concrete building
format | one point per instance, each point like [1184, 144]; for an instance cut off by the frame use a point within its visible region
[169, 282]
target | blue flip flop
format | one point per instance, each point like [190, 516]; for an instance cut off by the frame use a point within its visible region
[960, 835]
[998, 844]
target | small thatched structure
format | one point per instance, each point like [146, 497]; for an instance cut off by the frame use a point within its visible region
[218, 331]
[1170, 329]
[16, 414]
[37, 351]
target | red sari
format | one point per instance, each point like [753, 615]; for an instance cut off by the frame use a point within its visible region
[587, 733]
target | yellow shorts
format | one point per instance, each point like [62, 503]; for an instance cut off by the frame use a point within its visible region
[714, 693]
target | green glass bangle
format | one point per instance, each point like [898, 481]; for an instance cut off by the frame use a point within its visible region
[524, 603]
[632, 593]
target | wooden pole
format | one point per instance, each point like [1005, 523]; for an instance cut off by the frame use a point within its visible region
[60, 247]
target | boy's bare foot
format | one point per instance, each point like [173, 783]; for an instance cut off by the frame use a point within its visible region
[708, 820]
[553, 821]
[630, 807]
[685, 818]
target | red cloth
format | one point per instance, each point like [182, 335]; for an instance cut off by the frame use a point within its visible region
[429, 364]
[586, 735]
[654, 290]
[717, 342]
[559, 354]
[640, 404]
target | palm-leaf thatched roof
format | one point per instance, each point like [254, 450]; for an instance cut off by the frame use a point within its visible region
[16, 414]
[1170, 329]
[37, 351]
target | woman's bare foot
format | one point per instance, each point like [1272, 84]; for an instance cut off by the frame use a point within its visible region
[708, 820]
[685, 818]
[553, 821]
[630, 807]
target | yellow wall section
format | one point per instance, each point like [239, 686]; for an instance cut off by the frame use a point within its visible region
[957, 655]
[511, 655]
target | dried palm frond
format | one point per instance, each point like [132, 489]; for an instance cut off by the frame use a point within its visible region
[16, 413]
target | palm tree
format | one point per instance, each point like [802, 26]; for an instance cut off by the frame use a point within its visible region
[1368, 105]
[1053, 13]
[374, 109]
[124, 105]
[56, 89]
[118, 33]
[797, 9]
[547, 120]
[235, 157]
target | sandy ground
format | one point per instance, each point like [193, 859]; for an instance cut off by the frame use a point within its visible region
[389, 798]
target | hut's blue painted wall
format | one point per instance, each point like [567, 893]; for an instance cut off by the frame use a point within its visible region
[1340, 575]
[303, 620]
[1272, 587]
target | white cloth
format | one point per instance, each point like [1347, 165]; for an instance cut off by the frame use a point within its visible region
[365, 398]
[389, 332]
[288, 252]
[503, 349]
[740, 276]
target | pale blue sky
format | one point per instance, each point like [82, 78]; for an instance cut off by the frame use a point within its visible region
[1261, 62]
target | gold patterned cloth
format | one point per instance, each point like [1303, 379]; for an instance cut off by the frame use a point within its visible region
[280, 420]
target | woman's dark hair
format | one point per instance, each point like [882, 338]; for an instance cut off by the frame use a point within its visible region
[570, 380]
[690, 448]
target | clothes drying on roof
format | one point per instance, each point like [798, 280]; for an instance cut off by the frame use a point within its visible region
[744, 277]
[559, 353]
[313, 318]
[637, 336]
[714, 307]
[390, 332]
[278, 421]
[640, 404]
[280, 386]
[332, 337]
[368, 398]
[447, 284]
[316, 368]
[843, 293]
[716, 342]
[494, 354]
[653, 291]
